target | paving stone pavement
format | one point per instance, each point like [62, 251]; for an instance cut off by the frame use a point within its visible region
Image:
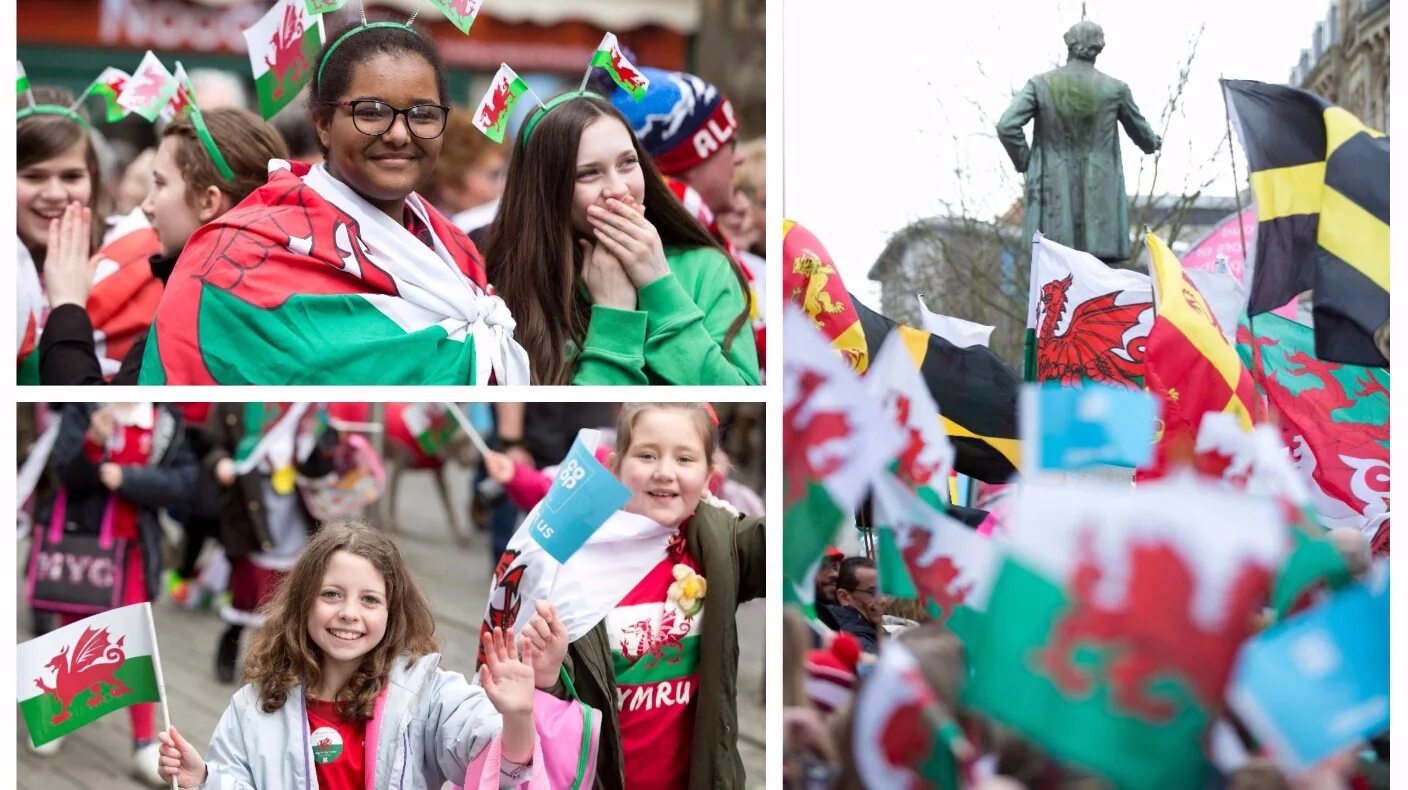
[454, 579]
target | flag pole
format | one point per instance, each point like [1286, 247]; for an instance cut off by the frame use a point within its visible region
[463, 420]
[1236, 182]
[160, 680]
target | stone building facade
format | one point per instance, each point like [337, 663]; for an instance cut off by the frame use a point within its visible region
[1347, 61]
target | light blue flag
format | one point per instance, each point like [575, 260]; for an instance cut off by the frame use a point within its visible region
[583, 495]
[1318, 683]
[1094, 424]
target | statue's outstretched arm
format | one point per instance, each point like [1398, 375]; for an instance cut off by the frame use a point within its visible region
[1134, 124]
[1009, 127]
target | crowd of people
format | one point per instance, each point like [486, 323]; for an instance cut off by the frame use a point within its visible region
[605, 245]
[833, 644]
[324, 620]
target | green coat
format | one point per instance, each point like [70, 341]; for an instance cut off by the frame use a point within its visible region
[676, 333]
[1075, 191]
[732, 551]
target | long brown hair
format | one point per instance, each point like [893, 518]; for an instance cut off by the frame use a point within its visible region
[531, 258]
[282, 655]
[42, 137]
[246, 142]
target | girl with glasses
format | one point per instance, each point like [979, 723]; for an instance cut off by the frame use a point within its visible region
[611, 279]
[340, 273]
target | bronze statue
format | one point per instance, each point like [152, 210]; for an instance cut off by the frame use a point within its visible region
[1075, 192]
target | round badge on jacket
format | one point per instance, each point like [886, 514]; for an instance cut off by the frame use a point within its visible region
[327, 745]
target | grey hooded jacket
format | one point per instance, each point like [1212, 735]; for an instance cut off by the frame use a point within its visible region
[433, 723]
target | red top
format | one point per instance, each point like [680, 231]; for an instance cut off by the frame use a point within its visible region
[339, 747]
[131, 446]
[655, 647]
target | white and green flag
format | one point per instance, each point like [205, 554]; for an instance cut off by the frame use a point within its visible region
[75, 675]
[926, 456]
[109, 85]
[899, 738]
[150, 89]
[834, 441]
[1086, 321]
[946, 564]
[461, 13]
[491, 116]
[608, 56]
[283, 51]
[22, 81]
[1114, 620]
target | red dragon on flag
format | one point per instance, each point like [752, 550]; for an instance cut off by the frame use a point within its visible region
[1151, 634]
[288, 62]
[805, 437]
[624, 69]
[92, 664]
[147, 86]
[1093, 346]
[494, 105]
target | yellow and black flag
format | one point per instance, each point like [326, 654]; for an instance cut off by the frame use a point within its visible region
[975, 390]
[1320, 181]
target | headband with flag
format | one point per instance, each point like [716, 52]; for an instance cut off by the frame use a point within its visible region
[607, 56]
[184, 102]
[23, 87]
[365, 26]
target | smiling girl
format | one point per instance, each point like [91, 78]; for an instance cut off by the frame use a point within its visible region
[610, 279]
[340, 273]
[346, 690]
[661, 660]
[186, 192]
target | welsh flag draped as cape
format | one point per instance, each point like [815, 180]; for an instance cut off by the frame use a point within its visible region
[306, 283]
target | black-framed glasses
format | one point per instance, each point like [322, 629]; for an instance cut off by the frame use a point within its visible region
[375, 118]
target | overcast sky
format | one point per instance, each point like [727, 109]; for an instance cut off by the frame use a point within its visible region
[884, 100]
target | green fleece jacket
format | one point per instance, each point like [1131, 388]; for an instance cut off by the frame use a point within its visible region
[732, 551]
[676, 333]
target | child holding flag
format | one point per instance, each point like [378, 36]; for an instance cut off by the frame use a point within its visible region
[340, 273]
[186, 192]
[611, 280]
[346, 689]
[648, 603]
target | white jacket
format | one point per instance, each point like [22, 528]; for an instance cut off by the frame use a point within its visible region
[429, 724]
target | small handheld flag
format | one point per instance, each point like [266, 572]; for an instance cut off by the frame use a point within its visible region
[608, 56]
[282, 45]
[108, 85]
[461, 13]
[317, 7]
[150, 89]
[583, 495]
[22, 84]
[491, 116]
[75, 675]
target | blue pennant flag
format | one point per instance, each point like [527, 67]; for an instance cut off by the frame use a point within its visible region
[1094, 424]
[583, 495]
[1318, 683]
